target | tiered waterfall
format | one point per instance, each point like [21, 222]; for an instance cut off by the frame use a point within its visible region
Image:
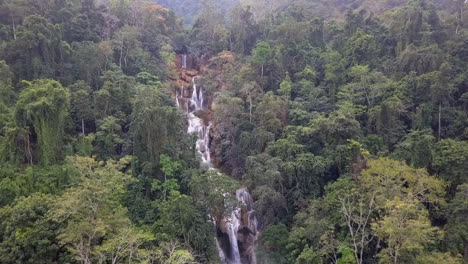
[236, 238]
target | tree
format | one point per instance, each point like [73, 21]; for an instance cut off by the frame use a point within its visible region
[126, 244]
[216, 192]
[180, 257]
[460, 10]
[357, 209]
[286, 87]
[29, 236]
[39, 51]
[270, 204]
[14, 12]
[416, 148]
[334, 72]
[208, 33]
[228, 117]
[271, 113]
[6, 84]
[413, 22]
[251, 91]
[91, 211]
[441, 90]
[243, 30]
[7, 96]
[361, 48]
[261, 54]
[88, 61]
[153, 114]
[273, 241]
[312, 229]
[390, 178]
[332, 130]
[366, 88]
[405, 229]
[43, 105]
[449, 161]
[421, 60]
[457, 235]
[401, 193]
[309, 256]
[169, 168]
[385, 120]
[109, 139]
[125, 42]
[114, 96]
[81, 107]
[181, 219]
[438, 257]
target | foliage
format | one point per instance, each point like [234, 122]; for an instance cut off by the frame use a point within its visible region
[28, 235]
[216, 192]
[43, 106]
[91, 209]
[345, 120]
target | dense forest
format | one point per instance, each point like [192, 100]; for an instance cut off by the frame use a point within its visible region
[345, 122]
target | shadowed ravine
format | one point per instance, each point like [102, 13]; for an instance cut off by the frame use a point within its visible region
[236, 234]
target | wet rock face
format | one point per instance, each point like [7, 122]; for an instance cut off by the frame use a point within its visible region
[185, 62]
[223, 240]
[237, 234]
[246, 237]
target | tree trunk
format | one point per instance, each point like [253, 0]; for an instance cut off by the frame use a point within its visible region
[465, 251]
[367, 98]
[461, 7]
[14, 27]
[82, 126]
[30, 158]
[250, 108]
[439, 130]
[164, 192]
[121, 54]
[262, 70]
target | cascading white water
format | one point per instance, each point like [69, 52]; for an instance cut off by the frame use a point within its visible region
[196, 124]
[233, 227]
[177, 96]
[197, 96]
[184, 61]
[233, 254]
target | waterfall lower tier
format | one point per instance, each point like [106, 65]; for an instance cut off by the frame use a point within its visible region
[236, 234]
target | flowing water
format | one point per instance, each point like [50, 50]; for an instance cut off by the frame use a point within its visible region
[238, 250]
[184, 61]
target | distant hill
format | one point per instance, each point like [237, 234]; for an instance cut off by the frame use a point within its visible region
[188, 10]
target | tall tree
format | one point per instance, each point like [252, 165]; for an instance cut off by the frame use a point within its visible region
[43, 106]
[243, 30]
[260, 54]
[153, 114]
[91, 212]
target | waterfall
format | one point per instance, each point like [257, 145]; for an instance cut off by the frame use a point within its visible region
[235, 224]
[184, 61]
[178, 95]
[197, 96]
[195, 124]
[239, 250]
[233, 227]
